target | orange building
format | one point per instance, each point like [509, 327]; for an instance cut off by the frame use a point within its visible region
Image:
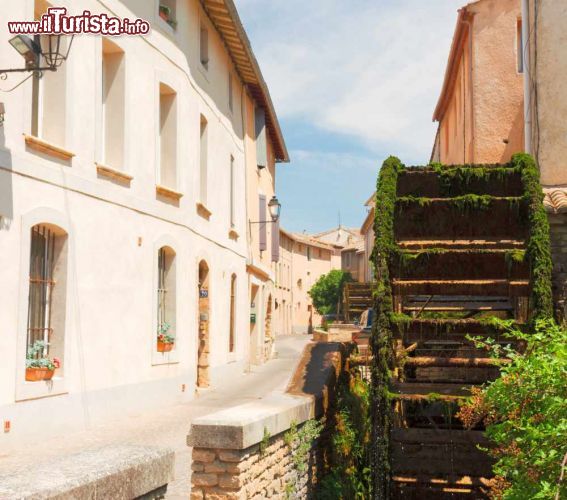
[480, 109]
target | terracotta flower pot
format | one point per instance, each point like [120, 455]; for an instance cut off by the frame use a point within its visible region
[163, 347]
[37, 374]
[164, 16]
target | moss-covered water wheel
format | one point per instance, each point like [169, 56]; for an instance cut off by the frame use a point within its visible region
[456, 247]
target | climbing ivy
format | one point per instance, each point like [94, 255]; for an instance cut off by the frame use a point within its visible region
[454, 182]
[381, 339]
[538, 251]
[300, 442]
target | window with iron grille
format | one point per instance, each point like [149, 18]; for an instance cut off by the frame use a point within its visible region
[42, 283]
[166, 291]
[162, 290]
[231, 341]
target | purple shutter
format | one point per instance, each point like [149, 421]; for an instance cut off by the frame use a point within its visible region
[262, 214]
[276, 241]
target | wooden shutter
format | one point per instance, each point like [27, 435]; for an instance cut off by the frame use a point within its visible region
[262, 215]
[204, 46]
[261, 144]
[276, 242]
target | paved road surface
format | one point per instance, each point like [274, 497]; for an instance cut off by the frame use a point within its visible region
[169, 426]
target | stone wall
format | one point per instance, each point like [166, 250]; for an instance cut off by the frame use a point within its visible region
[254, 451]
[261, 471]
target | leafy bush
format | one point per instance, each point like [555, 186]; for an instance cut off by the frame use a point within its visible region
[350, 473]
[326, 293]
[525, 413]
[164, 336]
[36, 359]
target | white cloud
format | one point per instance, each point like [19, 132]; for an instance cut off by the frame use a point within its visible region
[368, 68]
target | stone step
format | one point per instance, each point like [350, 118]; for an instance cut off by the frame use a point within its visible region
[437, 264]
[494, 287]
[497, 181]
[447, 218]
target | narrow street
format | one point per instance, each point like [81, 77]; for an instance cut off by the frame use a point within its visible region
[169, 426]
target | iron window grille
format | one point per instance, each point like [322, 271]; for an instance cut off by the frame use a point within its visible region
[41, 284]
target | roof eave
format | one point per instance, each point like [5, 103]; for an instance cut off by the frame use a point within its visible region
[452, 63]
[253, 79]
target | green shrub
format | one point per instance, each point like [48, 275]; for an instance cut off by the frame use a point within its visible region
[349, 476]
[525, 413]
[327, 292]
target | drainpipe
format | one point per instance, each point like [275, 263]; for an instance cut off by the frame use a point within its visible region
[527, 79]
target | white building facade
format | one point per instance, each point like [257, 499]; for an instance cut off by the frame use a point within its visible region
[123, 213]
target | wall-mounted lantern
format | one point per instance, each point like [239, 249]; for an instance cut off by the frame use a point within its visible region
[275, 208]
[47, 46]
[2, 113]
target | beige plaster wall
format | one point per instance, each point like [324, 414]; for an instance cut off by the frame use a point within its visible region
[548, 73]
[498, 102]
[114, 230]
[283, 271]
[305, 274]
[261, 271]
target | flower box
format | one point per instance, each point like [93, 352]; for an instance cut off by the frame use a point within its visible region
[164, 347]
[38, 374]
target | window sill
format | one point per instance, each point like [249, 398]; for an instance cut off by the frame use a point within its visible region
[47, 148]
[203, 211]
[165, 358]
[233, 235]
[168, 193]
[42, 389]
[112, 173]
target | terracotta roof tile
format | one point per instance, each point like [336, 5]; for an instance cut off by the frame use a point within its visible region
[555, 200]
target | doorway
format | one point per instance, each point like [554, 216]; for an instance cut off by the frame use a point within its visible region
[203, 379]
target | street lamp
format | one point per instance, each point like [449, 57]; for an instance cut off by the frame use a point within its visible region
[48, 46]
[275, 208]
[27, 48]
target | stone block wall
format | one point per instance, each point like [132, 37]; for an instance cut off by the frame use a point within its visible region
[262, 471]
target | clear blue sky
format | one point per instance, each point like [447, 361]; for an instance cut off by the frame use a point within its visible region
[352, 82]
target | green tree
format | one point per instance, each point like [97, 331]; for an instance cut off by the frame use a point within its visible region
[525, 413]
[326, 293]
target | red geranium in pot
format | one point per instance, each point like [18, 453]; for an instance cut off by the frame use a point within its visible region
[38, 366]
[165, 341]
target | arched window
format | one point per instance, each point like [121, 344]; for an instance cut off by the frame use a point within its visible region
[47, 293]
[166, 307]
[231, 338]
